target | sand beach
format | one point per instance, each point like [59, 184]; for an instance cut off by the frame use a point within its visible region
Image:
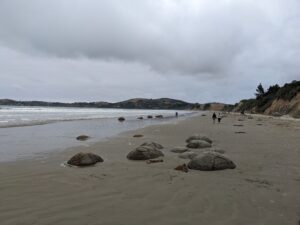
[262, 189]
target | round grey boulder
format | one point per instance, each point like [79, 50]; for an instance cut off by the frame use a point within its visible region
[198, 137]
[144, 153]
[84, 159]
[153, 145]
[211, 161]
[198, 144]
[179, 149]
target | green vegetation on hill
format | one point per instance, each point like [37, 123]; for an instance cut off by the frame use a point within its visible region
[265, 100]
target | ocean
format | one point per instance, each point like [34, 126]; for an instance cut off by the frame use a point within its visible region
[32, 132]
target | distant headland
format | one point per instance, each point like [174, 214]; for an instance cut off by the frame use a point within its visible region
[276, 101]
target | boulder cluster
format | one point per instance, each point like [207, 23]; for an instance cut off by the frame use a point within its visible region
[199, 151]
[203, 157]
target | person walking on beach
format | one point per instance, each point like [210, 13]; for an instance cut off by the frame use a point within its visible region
[214, 117]
[176, 114]
[219, 117]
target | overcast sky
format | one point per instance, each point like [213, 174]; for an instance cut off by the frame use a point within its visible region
[110, 50]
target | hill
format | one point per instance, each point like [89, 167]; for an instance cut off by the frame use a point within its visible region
[275, 101]
[136, 103]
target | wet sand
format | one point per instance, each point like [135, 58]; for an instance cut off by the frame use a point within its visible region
[263, 189]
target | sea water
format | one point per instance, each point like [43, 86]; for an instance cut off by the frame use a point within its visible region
[28, 132]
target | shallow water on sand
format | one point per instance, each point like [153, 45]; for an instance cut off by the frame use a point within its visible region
[23, 142]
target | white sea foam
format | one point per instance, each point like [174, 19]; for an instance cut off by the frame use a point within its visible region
[11, 116]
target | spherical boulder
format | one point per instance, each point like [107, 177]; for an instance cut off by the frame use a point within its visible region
[211, 161]
[144, 153]
[84, 159]
[198, 144]
[198, 137]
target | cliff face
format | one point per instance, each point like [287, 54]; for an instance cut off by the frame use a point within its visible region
[282, 107]
[276, 101]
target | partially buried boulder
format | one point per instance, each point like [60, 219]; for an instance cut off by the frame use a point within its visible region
[144, 153]
[138, 135]
[215, 150]
[198, 144]
[179, 149]
[82, 137]
[211, 161]
[187, 155]
[153, 145]
[198, 137]
[84, 159]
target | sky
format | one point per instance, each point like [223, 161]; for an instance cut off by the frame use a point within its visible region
[113, 50]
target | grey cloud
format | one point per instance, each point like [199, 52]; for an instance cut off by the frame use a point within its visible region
[179, 48]
[180, 37]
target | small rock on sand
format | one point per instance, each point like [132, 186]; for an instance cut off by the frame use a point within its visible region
[144, 153]
[121, 119]
[149, 117]
[182, 168]
[138, 135]
[179, 149]
[153, 144]
[187, 155]
[140, 118]
[159, 116]
[198, 144]
[240, 132]
[198, 137]
[215, 150]
[211, 161]
[82, 137]
[84, 159]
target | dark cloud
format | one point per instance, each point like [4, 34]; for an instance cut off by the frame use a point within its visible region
[129, 48]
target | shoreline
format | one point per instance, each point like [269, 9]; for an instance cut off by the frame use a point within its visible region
[30, 142]
[263, 189]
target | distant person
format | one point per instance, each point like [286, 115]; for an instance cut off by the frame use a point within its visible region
[219, 117]
[214, 117]
[176, 114]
